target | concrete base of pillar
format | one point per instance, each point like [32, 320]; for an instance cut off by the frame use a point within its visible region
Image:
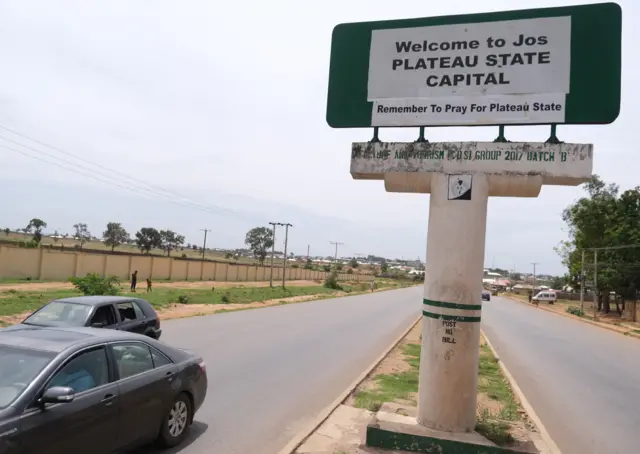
[397, 429]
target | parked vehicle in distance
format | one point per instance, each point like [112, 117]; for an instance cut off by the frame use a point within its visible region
[113, 312]
[486, 296]
[545, 295]
[98, 391]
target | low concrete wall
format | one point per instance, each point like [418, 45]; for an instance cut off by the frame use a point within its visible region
[45, 264]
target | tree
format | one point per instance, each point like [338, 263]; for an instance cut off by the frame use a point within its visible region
[115, 235]
[35, 226]
[259, 240]
[383, 266]
[170, 240]
[353, 263]
[7, 231]
[516, 277]
[148, 238]
[308, 265]
[608, 220]
[82, 233]
[55, 236]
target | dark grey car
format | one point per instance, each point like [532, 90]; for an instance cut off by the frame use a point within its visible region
[115, 312]
[85, 390]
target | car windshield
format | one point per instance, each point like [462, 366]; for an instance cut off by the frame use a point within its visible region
[19, 367]
[60, 313]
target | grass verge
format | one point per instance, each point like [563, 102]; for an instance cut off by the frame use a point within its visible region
[498, 416]
[17, 302]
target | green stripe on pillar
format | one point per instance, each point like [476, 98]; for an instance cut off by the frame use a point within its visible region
[453, 318]
[467, 307]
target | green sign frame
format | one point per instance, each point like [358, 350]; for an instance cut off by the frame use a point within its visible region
[595, 62]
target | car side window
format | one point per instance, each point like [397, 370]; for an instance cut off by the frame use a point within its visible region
[127, 312]
[85, 371]
[159, 359]
[138, 310]
[104, 316]
[132, 358]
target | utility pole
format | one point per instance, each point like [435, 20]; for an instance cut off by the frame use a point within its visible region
[534, 277]
[308, 249]
[273, 248]
[284, 266]
[582, 281]
[204, 244]
[336, 243]
[595, 285]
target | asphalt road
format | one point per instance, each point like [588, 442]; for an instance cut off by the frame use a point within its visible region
[582, 381]
[272, 370]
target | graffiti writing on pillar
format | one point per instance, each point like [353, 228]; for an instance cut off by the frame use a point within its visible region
[449, 327]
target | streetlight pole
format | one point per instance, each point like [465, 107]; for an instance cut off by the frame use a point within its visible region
[273, 248]
[284, 266]
[534, 276]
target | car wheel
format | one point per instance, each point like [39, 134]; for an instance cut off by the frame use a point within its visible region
[176, 423]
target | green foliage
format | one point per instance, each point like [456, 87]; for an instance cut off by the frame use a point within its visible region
[35, 226]
[350, 271]
[148, 238]
[339, 267]
[295, 265]
[82, 233]
[383, 266]
[115, 235]
[259, 240]
[353, 263]
[308, 265]
[7, 231]
[94, 284]
[183, 299]
[574, 310]
[326, 268]
[604, 218]
[332, 281]
[170, 240]
[225, 298]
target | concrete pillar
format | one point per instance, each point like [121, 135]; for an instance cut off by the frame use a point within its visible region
[451, 310]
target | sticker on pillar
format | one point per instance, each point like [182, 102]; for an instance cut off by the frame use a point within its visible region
[460, 187]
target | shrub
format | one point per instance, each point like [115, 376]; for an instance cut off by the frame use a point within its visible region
[295, 266]
[332, 281]
[94, 284]
[225, 298]
[349, 271]
[183, 299]
[575, 311]
[326, 268]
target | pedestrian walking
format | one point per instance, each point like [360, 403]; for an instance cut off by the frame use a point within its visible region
[149, 289]
[134, 280]
[373, 285]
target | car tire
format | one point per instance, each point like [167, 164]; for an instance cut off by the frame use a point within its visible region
[175, 424]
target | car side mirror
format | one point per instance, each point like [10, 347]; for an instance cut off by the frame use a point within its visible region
[57, 395]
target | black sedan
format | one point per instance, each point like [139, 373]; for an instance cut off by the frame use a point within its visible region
[116, 312]
[98, 391]
[486, 296]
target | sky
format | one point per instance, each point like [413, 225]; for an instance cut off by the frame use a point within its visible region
[224, 104]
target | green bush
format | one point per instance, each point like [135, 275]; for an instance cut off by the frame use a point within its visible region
[225, 298]
[332, 281]
[94, 284]
[575, 311]
[295, 265]
[326, 268]
[183, 299]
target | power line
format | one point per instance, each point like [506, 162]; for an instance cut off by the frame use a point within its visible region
[132, 187]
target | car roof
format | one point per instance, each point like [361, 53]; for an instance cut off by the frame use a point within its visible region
[59, 339]
[99, 299]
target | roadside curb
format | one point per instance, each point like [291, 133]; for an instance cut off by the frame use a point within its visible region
[580, 319]
[326, 412]
[550, 446]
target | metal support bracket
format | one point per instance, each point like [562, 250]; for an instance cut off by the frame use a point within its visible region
[501, 138]
[421, 138]
[375, 138]
[553, 138]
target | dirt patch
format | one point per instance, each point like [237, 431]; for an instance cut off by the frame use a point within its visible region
[189, 310]
[35, 286]
[15, 318]
[394, 362]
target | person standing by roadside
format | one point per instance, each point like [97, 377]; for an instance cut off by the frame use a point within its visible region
[134, 280]
[373, 285]
[149, 284]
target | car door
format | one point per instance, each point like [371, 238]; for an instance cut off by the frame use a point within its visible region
[146, 390]
[104, 316]
[88, 423]
[129, 318]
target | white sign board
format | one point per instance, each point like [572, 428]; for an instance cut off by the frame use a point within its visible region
[554, 161]
[460, 187]
[492, 72]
